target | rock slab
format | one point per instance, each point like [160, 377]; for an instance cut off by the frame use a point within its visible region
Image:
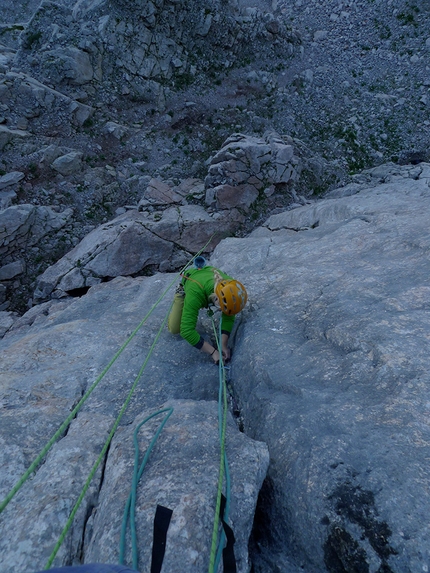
[332, 371]
[182, 472]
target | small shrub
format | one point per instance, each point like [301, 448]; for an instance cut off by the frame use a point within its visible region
[31, 39]
[406, 19]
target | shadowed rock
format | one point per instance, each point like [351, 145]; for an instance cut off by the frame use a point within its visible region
[245, 166]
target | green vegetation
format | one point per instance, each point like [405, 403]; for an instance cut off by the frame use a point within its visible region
[408, 18]
[357, 155]
[33, 171]
[182, 81]
[15, 27]
[384, 30]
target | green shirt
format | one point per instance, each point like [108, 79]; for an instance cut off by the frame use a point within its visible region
[198, 286]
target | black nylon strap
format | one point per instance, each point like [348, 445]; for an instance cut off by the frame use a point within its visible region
[228, 558]
[161, 525]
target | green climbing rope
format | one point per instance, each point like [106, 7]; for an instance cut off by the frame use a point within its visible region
[78, 406]
[215, 555]
[104, 449]
[129, 511]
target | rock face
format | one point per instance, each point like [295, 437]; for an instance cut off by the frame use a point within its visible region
[331, 367]
[150, 90]
[183, 470]
[249, 177]
[330, 370]
[246, 166]
[42, 107]
[122, 247]
[23, 226]
[167, 228]
[134, 242]
[140, 45]
[25, 232]
[183, 484]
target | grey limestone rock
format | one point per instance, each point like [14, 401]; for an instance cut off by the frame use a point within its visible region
[69, 163]
[245, 166]
[71, 63]
[330, 370]
[159, 193]
[122, 247]
[44, 107]
[142, 45]
[7, 135]
[10, 179]
[7, 319]
[6, 198]
[22, 226]
[334, 352]
[181, 483]
[134, 241]
[12, 270]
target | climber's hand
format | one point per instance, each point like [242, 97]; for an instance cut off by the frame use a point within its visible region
[226, 354]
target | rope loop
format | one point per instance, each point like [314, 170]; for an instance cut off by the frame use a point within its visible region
[129, 511]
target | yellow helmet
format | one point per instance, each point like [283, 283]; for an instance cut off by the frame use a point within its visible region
[231, 295]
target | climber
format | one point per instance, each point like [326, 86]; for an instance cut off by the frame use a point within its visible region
[204, 286]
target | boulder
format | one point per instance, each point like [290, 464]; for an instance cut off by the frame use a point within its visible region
[7, 135]
[50, 153]
[122, 247]
[159, 193]
[191, 187]
[246, 165]
[22, 226]
[69, 163]
[134, 241]
[70, 64]
[191, 226]
[6, 198]
[115, 129]
[12, 270]
[11, 178]
[228, 197]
